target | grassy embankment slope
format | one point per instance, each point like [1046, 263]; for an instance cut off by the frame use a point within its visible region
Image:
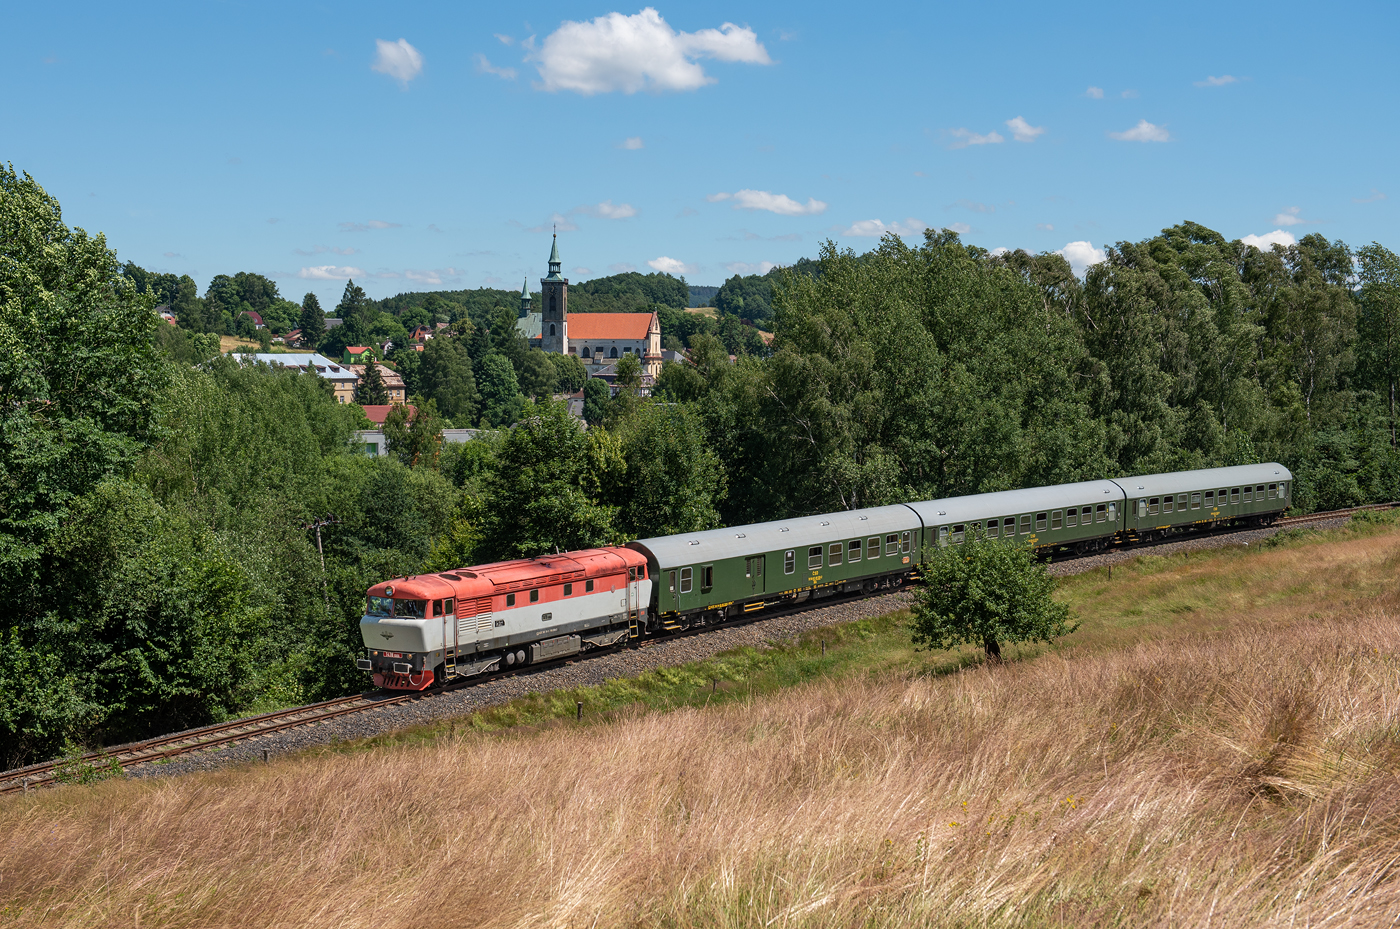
[1218, 745]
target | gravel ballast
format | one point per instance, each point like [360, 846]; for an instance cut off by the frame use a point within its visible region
[586, 672]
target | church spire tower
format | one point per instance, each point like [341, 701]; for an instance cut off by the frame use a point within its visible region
[525, 299]
[554, 306]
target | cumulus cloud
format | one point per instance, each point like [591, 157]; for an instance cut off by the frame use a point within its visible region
[1045, 227]
[607, 210]
[959, 228]
[1081, 255]
[1376, 197]
[874, 228]
[484, 66]
[1142, 132]
[1129, 95]
[671, 266]
[1094, 93]
[1023, 131]
[1213, 81]
[372, 224]
[632, 143]
[744, 268]
[330, 273]
[1000, 250]
[781, 204]
[966, 137]
[399, 60]
[503, 39]
[1289, 217]
[622, 267]
[434, 277]
[1268, 240]
[638, 52]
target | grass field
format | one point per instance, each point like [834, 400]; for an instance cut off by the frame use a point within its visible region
[1218, 745]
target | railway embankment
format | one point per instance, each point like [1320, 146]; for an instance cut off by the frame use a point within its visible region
[1217, 740]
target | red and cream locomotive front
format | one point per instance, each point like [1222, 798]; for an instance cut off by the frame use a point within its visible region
[405, 625]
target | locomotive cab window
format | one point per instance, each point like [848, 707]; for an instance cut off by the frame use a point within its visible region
[707, 578]
[535, 596]
[789, 562]
[510, 599]
[569, 588]
[834, 553]
[814, 557]
[872, 547]
[450, 606]
[588, 587]
[891, 545]
[687, 579]
[379, 606]
[413, 609]
[853, 550]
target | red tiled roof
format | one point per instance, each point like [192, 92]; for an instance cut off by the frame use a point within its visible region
[378, 412]
[357, 349]
[586, 326]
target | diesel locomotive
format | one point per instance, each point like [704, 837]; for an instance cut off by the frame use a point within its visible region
[432, 628]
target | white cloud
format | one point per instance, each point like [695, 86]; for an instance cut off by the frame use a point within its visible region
[1023, 131]
[973, 206]
[330, 273]
[1375, 197]
[638, 52]
[434, 277]
[1142, 132]
[967, 137]
[621, 267]
[1129, 95]
[556, 223]
[744, 268]
[1081, 255]
[1045, 227]
[1094, 93]
[874, 228]
[583, 272]
[399, 60]
[503, 39]
[781, 204]
[607, 210]
[632, 143]
[372, 224]
[1289, 217]
[671, 266]
[1213, 81]
[484, 66]
[1000, 250]
[959, 228]
[1269, 239]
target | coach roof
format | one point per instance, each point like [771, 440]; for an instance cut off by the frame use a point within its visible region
[954, 510]
[739, 541]
[1205, 479]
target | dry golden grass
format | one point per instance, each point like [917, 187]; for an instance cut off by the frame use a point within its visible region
[228, 343]
[1244, 771]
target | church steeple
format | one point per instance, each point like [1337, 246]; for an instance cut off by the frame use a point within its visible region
[525, 298]
[554, 261]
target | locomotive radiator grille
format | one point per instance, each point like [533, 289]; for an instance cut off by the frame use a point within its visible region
[483, 614]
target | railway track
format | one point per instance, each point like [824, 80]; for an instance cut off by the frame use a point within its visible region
[208, 737]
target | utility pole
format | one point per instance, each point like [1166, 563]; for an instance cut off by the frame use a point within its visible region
[330, 519]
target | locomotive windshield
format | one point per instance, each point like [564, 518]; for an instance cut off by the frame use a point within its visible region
[411, 608]
[379, 606]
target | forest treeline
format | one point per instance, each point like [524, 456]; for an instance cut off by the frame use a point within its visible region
[157, 543]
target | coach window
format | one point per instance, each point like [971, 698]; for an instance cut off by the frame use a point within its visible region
[1222, 497]
[1272, 489]
[789, 562]
[872, 547]
[588, 586]
[671, 581]
[1142, 508]
[1040, 522]
[1196, 501]
[1055, 520]
[1234, 495]
[1113, 512]
[1282, 491]
[1154, 506]
[1181, 503]
[1100, 513]
[1249, 495]
[687, 574]
[853, 550]
[834, 553]
[891, 545]
[959, 533]
[814, 556]
[1026, 524]
[510, 599]
[1167, 504]
[942, 535]
[991, 528]
[1072, 517]
[1259, 493]
[707, 578]
[1210, 499]
[1008, 527]
[904, 543]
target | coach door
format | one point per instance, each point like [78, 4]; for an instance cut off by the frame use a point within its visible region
[753, 572]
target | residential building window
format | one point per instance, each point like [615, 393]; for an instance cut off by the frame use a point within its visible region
[613, 353]
[585, 352]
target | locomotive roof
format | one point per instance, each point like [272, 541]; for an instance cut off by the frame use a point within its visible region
[1204, 479]
[549, 569]
[953, 510]
[738, 541]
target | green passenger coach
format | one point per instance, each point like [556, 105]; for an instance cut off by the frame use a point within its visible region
[713, 575]
[1084, 517]
[1161, 504]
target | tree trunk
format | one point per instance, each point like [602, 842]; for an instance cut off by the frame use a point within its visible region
[993, 651]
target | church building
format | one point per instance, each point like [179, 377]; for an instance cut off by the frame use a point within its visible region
[599, 339]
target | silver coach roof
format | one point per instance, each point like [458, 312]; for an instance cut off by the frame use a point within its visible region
[737, 541]
[1205, 479]
[952, 510]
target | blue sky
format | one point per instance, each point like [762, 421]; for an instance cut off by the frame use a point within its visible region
[431, 145]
